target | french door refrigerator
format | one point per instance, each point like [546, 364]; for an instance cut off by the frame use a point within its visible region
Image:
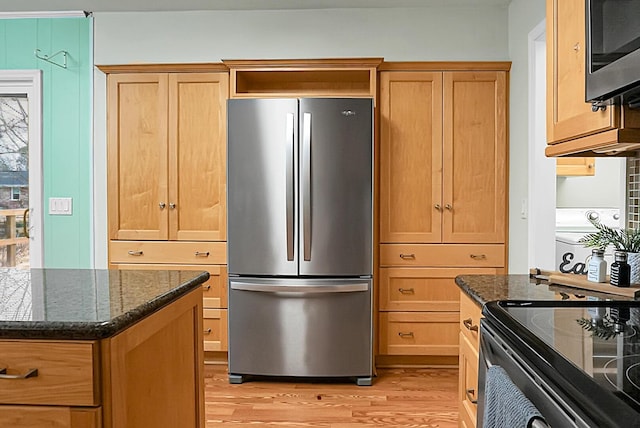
[300, 237]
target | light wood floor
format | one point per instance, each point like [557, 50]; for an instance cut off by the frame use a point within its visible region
[398, 398]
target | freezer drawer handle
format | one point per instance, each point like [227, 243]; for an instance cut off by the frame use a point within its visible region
[28, 374]
[135, 253]
[406, 290]
[468, 323]
[470, 394]
[407, 256]
[406, 335]
[299, 288]
[202, 254]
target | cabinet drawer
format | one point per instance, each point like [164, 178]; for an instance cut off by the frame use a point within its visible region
[49, 416]
[215, 289]
[167, 252]
[412, 333]
[215, 329]
[423, 289]
[446, 255]
[65, 373]
[470, 314]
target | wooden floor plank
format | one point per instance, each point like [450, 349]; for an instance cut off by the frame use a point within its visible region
[398, 398]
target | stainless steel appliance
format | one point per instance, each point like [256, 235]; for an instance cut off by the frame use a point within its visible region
[577, 361]
[300, 237]
[613, 51]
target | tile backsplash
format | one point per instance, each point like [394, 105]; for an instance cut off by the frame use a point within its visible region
[633, 192]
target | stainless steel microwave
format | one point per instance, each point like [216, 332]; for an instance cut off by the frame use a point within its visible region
[613, 52]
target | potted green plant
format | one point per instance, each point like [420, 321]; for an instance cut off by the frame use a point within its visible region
[627, 240]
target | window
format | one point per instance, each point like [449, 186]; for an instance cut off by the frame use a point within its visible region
[15, 193]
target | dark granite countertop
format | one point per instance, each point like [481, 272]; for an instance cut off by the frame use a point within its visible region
[489, 288]
[85, 304]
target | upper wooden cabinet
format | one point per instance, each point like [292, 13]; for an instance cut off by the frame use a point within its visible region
[341, 77]
[443, 154]
[166, 156]
[572, 127]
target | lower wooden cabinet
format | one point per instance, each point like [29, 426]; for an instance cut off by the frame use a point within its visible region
[469, 328]
[148, 375]
[186, 255]
[419, 313]
[50, 416]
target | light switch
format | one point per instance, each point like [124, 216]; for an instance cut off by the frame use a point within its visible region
[60, 206]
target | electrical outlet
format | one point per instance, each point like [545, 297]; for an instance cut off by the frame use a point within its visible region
[60, 206]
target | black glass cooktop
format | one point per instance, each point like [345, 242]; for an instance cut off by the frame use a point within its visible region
[591, 346]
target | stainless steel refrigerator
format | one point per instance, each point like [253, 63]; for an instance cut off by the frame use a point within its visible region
[300, 237]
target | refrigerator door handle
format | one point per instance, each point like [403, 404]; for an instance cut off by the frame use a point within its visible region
[298, 288]
[306, 184]
[289, 132]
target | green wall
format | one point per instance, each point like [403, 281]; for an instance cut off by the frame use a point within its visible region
[66, 128]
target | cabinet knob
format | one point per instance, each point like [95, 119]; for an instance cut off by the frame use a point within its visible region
[202, 254]
[449, 207]
[206, 287]
[172, 206]
[407, 256]
[405, 335]
[162, 205]
[135, 253]
[470, 393]
[478, 256]
[207, 331]
[406, 290]
[468, 323]
[438, 207]
[576, 47]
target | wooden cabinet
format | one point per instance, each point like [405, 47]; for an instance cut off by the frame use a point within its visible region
[167, 175]
[166, 156]
[443, 199]
[572, 126]
[469, 325]
[443, 146]
[150, 374]
[575, 167]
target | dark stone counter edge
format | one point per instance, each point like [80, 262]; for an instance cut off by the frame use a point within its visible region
[470, 291]
[81, 330]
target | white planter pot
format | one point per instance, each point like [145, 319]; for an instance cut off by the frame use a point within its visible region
[634, 262]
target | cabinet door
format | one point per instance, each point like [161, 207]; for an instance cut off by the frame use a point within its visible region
[410, 156]
[197, 156]
[568, 115]
[474, 153]
[468, 383]
[572, 167]
[137, 156]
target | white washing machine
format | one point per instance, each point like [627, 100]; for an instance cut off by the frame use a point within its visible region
[571, 225]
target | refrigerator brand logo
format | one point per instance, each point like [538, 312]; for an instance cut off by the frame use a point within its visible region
[348, 113]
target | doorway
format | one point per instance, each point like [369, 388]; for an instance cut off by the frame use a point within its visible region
[21, 169]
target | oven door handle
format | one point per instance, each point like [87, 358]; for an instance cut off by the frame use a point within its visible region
[539, 423]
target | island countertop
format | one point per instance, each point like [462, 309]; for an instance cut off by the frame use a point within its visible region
[489, 288]
[85, 304]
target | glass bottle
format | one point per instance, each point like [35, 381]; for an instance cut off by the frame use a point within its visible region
[597, 271]
[620, 270]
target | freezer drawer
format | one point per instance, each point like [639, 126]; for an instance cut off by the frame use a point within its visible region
[300, 327]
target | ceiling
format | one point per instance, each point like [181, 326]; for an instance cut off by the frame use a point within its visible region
[177, 5]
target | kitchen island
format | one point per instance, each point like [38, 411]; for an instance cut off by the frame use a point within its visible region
[101, 348]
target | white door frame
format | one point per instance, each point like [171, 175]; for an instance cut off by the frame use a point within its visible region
[30, 82]
[542, 170]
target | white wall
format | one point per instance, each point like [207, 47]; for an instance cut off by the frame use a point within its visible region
[524, 15]
[399, 34]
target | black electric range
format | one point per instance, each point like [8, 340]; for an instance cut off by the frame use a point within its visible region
[586, 354]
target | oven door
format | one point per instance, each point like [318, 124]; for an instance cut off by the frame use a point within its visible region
[497, 350]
